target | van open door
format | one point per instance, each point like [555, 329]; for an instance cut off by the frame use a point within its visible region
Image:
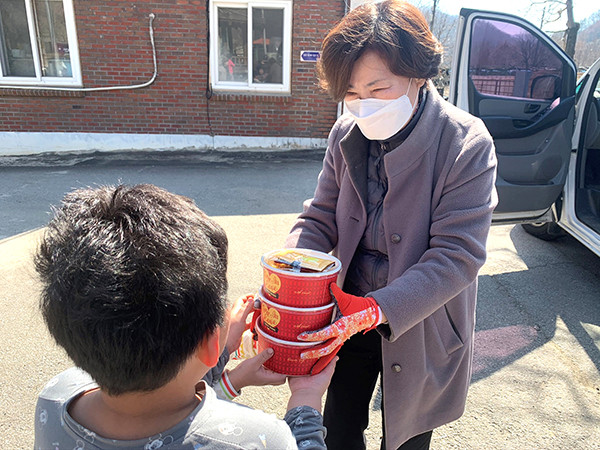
[580, 212]
[522, 85]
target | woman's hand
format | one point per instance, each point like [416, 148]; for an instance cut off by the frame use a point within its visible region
[354, 314]
[251, 372]
[238, 315]
[309, 390]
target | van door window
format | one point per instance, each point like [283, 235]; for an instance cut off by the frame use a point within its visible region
[507, 60]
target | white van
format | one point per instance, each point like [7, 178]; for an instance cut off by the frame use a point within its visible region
[545, 124]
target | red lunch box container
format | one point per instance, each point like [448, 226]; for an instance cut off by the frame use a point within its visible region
[287, 322]
[298, 289]
[286, 354]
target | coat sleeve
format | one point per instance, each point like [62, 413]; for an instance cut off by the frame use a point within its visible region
[316, 226]
[460, 222]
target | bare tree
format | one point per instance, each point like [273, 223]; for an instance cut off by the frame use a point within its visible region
[554, 11]
[572, 29]
[433, 9]
[443, 27]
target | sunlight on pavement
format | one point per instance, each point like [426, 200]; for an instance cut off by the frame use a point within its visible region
[249, 238]
[495, 347]
[502, 255]
[593, 331]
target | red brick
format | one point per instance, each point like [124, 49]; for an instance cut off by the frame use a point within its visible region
[115, 50]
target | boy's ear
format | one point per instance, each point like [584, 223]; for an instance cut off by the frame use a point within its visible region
[209, 350]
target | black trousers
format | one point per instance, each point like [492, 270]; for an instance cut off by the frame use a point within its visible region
[346, 413]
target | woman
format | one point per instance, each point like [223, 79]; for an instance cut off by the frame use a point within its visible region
[404, 200]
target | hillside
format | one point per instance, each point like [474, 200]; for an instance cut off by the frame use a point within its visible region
[587, 49]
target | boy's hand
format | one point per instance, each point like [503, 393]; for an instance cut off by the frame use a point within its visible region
[238, 315]
[309, 390]
[251, 372]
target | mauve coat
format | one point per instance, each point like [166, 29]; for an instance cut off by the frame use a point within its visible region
[437, 215]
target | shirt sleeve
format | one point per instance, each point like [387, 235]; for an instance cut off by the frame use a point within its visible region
[213, 376]
[307, 427]
[225, 389]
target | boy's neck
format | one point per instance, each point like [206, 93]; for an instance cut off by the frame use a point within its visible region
[138, 415]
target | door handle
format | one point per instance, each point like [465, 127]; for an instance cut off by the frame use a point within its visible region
[531, 108]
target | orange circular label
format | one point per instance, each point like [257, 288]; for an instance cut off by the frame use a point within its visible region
[270, 316]
[272, 282]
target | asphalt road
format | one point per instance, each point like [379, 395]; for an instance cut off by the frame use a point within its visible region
[221, 183]
[536, 372]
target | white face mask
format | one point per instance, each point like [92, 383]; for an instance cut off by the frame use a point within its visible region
[381, 119]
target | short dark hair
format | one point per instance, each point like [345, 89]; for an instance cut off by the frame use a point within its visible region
[394, 29]
[134, 278]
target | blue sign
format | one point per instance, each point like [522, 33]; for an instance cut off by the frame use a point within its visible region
[312, 56]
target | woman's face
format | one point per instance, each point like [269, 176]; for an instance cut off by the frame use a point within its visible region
[371, 78]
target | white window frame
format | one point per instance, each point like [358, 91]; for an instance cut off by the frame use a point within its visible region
[250, 85]
[39, 80]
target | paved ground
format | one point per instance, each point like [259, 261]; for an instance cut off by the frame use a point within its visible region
[221, 183]
[536, 381]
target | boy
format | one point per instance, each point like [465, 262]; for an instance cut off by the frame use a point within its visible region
[134, 290]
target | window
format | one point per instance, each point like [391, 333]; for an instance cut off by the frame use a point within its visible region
[250, 45]
[38, 44]
[507, 60]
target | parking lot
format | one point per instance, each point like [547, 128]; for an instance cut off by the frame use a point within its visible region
[536, 373]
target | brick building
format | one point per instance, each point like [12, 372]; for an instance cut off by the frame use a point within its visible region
[81, 75]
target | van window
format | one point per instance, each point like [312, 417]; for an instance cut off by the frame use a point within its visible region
[507, 60]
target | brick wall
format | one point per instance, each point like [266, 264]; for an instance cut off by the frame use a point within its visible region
[115, 49]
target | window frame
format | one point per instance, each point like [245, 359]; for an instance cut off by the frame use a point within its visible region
[249, 86]
[75, 80]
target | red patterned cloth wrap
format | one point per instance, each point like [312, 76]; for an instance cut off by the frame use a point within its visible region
[354, 314]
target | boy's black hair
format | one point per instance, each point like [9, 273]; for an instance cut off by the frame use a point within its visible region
[134, 278]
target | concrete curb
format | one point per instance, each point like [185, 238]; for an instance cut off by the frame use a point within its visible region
[19, 236]
[171, 157]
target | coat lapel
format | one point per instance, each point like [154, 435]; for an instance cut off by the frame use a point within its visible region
[426, 131]
[355, 150]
